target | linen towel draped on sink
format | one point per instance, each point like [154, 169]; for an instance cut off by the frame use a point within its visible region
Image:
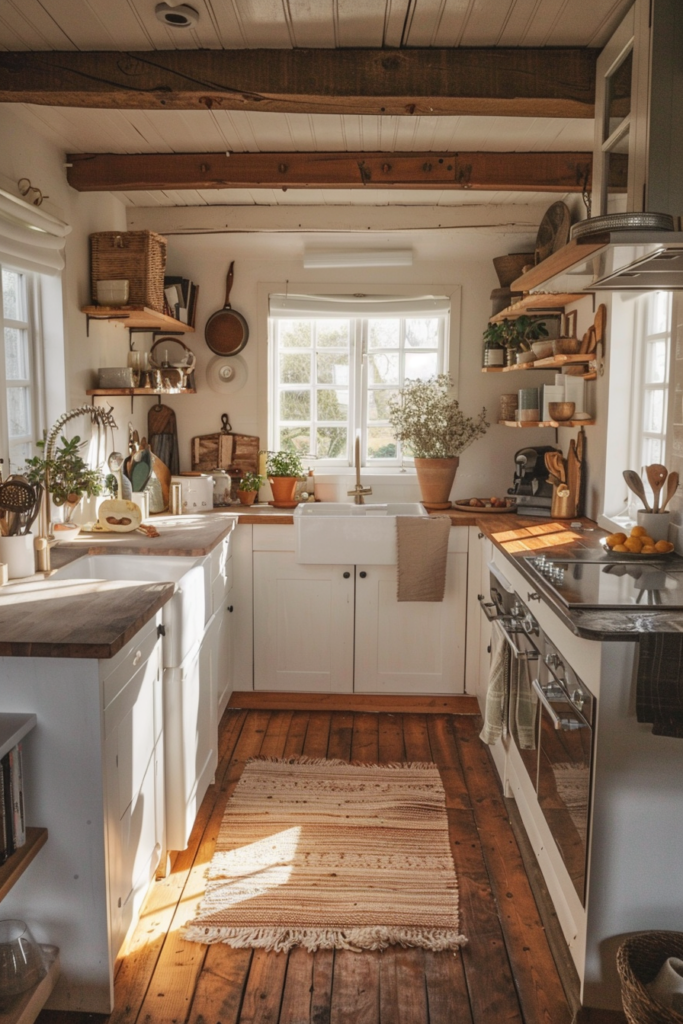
[659, 686]
[422, 550]
[510, 698]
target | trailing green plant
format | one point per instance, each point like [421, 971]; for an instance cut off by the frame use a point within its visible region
[67, 474]
[518, 333]
[430, 422]
[251, 482]
[284, 464]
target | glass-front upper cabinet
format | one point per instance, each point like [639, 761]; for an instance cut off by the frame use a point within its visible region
[621, 95]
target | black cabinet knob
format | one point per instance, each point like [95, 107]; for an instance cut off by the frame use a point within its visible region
[346, 575]
[362, 575]
[230, 607]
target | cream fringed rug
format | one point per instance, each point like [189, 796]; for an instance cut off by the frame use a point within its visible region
[325, 854]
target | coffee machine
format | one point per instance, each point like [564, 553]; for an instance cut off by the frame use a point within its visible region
[531, 488]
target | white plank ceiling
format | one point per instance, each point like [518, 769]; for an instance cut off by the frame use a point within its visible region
[132, 25]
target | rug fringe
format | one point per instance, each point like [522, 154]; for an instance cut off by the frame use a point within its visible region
[355, 939]
[336, 762]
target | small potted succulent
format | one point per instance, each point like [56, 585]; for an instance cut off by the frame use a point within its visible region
[284, 469]
[249, 487]
[430, 422]
[515, 335]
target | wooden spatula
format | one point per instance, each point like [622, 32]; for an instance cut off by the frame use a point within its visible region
[636, 485]
[656, 475]
[671, 488]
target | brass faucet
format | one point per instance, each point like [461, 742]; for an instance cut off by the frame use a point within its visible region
[358, 491]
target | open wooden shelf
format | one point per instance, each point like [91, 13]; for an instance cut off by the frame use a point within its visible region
[573, 252]
[150, 392]
[139, 317]
[552, 363]
[546, 423]
[26, 1007]
[545, 302]
[13, 868]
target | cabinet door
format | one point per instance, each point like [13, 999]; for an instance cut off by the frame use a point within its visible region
[410, 646]
[484, 624]
[223, 654]
[303, 624]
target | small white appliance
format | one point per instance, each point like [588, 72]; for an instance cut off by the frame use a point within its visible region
[197, 491]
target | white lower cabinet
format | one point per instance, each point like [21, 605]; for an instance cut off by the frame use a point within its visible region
[339, 628]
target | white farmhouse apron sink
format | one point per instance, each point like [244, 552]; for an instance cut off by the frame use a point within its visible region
[338, 533]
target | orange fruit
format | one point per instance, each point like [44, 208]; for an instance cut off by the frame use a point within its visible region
[646, 539]
[663, 547]
[615, 538]
[634, 544]
[648, 549]
[638, 531]
[619, 547]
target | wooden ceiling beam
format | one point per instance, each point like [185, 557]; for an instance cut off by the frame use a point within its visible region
[518, 172]
[533, 82]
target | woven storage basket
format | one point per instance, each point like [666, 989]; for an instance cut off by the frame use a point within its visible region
[638, 961]
[135, 256]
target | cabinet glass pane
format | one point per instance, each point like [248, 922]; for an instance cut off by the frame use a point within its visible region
[13, 295]
[384, 333]
[295, 368]
[619, 95]
[295, 405]
[422, 333]
[332, 368]
[616, 176]
[295, 333]
[332, 442]
[383, 367]
[332, 333]
[333, 405]
[16, 354]
[295, 439]
[381, 443]
[19, 412]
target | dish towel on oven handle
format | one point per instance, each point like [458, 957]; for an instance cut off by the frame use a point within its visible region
[498, 693]
[659, 683]
[523, 705]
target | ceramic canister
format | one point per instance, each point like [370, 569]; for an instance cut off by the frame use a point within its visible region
[197, 490]
[222, 484]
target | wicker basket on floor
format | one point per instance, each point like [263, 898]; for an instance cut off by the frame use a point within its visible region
[639, 961]
[138, 257]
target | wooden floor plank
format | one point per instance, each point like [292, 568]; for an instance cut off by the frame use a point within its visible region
[276, 734]
[317, 733]
[445, 753]
[220, 989]
[403, 995]
[341, 736]
[276, 700]
[355, 988]
[321, 996]
[296, 998]
[263, 992]
[416, 738]
[365, 744]
[296, 734]
[391, 746]
[447, 996]
[540, 991]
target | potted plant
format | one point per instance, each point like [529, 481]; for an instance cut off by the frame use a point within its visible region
[430, 422]
[67, 477]
[284, 469]
[249, 487]
[515, 335]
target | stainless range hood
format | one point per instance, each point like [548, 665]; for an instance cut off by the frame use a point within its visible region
[628, 261]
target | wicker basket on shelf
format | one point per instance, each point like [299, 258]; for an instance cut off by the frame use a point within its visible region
[639, 961]
[138, 257]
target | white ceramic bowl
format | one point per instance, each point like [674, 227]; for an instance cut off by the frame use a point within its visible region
[112, 293]
[525, 357]
[66, 531]
[542, 349]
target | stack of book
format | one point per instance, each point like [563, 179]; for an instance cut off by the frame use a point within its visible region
[13, 824]
[181, 299]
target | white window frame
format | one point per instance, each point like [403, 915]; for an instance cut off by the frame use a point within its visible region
[359, 386]
[33, 382]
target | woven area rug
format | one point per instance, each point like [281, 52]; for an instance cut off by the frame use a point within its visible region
[326, 854]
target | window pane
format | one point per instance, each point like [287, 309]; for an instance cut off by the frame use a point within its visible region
[295, 405]
[660, 312]
[384, 333]
[378, 404]
[332, 333]
[422, 333]
[657, 362]
[295, 333]
[652, 452]
[619, 94]
[19, 412]
[13, 295]
[381, 443]
[654, 412]
[295, 368]
[16, 354]
[18, 454]
[332, 442]
[295, 439]
[383, 367]
[333, 405]
[420, 366]
[333, 368]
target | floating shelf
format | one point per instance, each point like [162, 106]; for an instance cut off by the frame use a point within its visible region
[150, 392]
[552, 363]
[546, 423]
[14, 867]
[546, 302]
[570, 254]
[139, 317]
[13, 728]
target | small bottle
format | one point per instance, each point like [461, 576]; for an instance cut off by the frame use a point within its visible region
[310, 486]
[494, 353]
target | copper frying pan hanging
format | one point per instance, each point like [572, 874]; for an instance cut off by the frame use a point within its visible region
[226, 331]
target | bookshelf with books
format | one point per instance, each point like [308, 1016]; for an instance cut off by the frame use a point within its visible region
[19, 844]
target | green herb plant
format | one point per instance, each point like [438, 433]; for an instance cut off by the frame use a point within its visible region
[251, 482]
[284, 464]
[68, 474]
[430, 422]
[517, 334]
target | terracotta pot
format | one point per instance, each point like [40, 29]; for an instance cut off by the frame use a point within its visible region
[435, 477]
[283, 488]
[247, 497]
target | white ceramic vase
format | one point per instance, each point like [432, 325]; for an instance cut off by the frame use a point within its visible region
[656, 524]
[18, 555]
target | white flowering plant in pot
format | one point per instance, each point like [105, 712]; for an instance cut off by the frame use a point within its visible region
[429, 422]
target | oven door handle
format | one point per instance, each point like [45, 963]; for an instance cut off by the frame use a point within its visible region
[519, 655]
[560, 724]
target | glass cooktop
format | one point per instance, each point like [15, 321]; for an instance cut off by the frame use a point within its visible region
[601, 584]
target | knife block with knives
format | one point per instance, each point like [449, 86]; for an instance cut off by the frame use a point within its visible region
[566, 476]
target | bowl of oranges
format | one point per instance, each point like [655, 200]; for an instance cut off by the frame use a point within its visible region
[637, 545]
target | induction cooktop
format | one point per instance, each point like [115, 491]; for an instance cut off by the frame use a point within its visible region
[610, 584]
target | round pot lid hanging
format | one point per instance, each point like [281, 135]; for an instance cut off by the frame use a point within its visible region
[226, 375]
[226, 331]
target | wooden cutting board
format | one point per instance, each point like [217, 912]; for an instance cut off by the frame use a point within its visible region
[225, 450]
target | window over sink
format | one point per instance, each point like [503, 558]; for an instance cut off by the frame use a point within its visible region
[18, 369]
[336, 361]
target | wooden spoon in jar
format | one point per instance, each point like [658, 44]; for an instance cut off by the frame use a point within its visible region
[635, 484]
[656, 475]
[671, 488]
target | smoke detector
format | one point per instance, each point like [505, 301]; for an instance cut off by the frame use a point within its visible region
[180, 16]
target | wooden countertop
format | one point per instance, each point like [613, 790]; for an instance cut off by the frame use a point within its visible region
[190, 535]
[76, 619]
